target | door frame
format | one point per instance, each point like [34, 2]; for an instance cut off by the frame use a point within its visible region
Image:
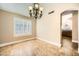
[64, 13]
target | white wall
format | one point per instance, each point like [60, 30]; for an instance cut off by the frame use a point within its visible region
[48, 27]
[78, 32]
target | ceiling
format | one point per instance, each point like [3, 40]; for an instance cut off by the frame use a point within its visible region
[20, 8]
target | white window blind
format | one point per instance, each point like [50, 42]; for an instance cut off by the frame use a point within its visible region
[22, 27]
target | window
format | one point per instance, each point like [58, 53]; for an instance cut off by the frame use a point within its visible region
[22, 27]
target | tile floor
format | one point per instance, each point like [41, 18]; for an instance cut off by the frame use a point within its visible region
[36, 48]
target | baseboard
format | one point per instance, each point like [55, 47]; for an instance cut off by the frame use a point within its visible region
[78, 50]
[5, 44]
[74, 41]
[58, 45]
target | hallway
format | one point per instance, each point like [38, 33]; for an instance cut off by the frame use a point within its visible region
[35, 48]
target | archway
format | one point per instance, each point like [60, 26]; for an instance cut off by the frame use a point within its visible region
[69, 30]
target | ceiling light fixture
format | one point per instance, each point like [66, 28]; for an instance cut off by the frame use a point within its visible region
[35, 11]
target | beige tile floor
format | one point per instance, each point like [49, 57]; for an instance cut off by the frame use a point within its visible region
[68, 47]
[35, 48]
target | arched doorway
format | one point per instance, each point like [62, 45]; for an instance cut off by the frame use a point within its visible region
[69, 30]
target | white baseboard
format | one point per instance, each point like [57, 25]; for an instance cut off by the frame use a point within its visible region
[78, 50]
[14, 42]
[75, 41]
[58, 45]
[5, 44]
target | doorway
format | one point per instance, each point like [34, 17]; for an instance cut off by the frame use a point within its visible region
[69, 31]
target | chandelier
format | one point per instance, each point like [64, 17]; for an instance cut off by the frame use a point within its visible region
[35, 11]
